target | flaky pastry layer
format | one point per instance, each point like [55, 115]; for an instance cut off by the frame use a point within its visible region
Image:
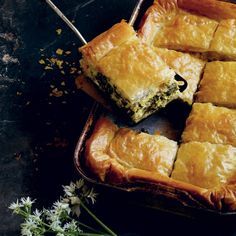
[205, 165]
[97, 48]
[167, 25]
[208, 123]
[112, 161]
[206, 26]
[136, 70]
[218, 84]
[223, 45]
[111, 148]
[187, 66]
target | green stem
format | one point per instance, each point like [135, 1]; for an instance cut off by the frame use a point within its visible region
[89, 227]
[23, 213]
[97, 220]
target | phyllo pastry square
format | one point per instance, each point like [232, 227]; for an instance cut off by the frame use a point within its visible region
[112, 152]
[166, 25]
[97, 48]
[205, 165]
[187, 66]
[130, 73]
[223, 45]
[218, 84]
[208, 123]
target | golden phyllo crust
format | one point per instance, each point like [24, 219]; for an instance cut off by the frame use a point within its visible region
[186, 32]
[187, 66]
[205, 165]
[143, 151]
[97, 48]
[136, 70]
[168, 26]
[111, 152]
[223, 45]
[208, 123]
[218, 84]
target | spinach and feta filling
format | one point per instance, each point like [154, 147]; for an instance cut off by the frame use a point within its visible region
[137, 110]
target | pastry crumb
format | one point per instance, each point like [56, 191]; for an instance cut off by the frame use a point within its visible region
[73, 70]
[48, 68]
[18, 93]
[41, 61]
[67, 52]
[56, 93]
[59, 31]
[17, 156]
[59, 64]
[59, 51]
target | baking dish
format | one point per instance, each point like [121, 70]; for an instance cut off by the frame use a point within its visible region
[188, 196]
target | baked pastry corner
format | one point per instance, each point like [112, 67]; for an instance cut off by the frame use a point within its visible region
[166, 25]
[218, 84]
[211, 167]
[223, 45]
[209, 123]
[112, 152]
[205, 165]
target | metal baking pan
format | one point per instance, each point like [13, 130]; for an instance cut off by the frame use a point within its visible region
[169, 122]
[148, 195]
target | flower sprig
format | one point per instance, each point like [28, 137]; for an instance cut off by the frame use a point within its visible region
[62, 219]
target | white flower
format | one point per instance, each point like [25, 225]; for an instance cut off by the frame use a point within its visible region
[30, 223]
[51, 216]
[36, 217]
[92, 195]
[27, 202]
[89, 194]
[60, 207]
[58, 219]
[37, 213]
[56, 226]
[72, 226]
[79, 183]
[30, 228]
[65, 200]
[75, 200]
[26, 232]
[69, 189]
[15, 206]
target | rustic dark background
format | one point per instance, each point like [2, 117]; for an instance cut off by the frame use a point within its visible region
[39, 126]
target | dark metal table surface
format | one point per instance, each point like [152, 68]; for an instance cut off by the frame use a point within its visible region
[42, 114]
